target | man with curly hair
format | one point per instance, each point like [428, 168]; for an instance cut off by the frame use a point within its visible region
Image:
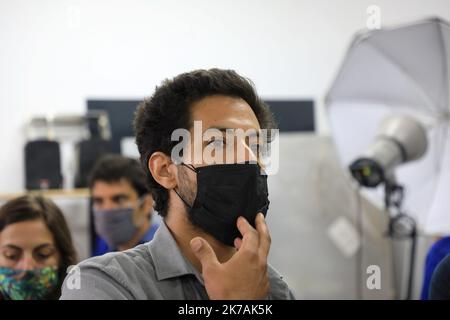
[214, 241]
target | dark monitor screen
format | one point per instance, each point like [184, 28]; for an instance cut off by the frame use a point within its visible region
[121, 114]
[293, 115]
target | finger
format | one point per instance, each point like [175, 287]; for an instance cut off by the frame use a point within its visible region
[264, 235]
[250, 237]
[204, 253]
[237, 243]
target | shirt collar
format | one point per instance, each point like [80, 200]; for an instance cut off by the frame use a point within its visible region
[168, 260]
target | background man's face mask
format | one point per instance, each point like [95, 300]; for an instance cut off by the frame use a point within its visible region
[225, 192]
[33, 284]
[115, 226]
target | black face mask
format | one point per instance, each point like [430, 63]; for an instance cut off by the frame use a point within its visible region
[224, 193]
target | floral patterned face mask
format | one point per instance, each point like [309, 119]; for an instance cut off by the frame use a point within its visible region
[33, 284]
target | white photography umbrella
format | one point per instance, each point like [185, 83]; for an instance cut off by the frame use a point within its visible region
[396, 72]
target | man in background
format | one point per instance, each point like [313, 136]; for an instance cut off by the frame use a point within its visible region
[122, 207]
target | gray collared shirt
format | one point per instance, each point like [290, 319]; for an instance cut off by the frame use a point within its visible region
[154, 270]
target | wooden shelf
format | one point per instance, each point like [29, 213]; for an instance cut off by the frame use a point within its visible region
[51, 193]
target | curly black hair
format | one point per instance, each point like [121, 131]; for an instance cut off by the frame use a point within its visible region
[169, 109]
[112, 168]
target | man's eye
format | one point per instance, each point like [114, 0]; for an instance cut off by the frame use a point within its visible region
[255, 148]
[122, 200]
[217, 143]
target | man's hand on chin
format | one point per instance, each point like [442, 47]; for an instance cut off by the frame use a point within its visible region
[244, 276]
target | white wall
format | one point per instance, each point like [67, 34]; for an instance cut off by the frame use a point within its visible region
[54, 54]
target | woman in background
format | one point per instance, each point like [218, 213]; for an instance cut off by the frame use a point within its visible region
[35, 249]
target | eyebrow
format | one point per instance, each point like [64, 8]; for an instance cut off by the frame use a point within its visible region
[224, 129]
[44, 245]
[117, 196]
[114, 196]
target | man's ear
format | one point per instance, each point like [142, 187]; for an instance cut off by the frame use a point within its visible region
[163, 170]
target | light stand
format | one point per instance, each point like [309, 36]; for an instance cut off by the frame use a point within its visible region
[401, 226]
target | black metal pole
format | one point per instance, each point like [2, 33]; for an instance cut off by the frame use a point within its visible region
[412, 263]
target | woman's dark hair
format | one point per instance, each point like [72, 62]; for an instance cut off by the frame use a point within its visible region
[169, 109]
[34, 207]
[112, 168]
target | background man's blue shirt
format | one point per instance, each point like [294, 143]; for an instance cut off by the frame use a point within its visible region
[436, 254]
[101, 247]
